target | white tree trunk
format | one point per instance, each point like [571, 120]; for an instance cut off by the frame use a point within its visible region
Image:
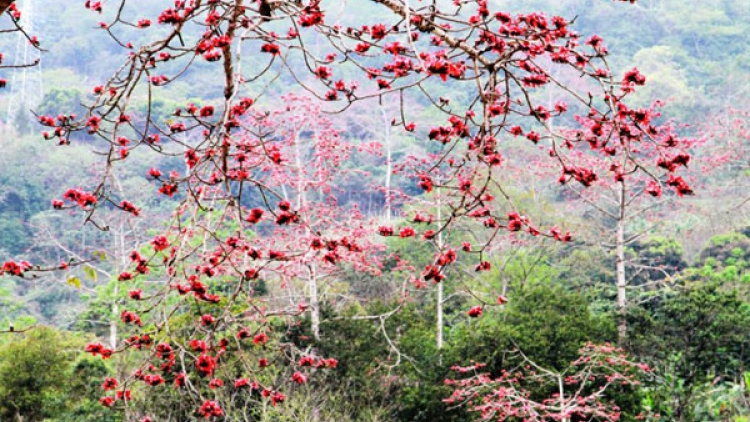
[388, 166]
[312, 279]
[121, 262]
[621, 280]
[563, 402]
[113, 321]
[440, 323]
[314, 303]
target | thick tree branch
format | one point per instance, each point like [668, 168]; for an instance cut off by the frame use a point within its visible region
[4, 5]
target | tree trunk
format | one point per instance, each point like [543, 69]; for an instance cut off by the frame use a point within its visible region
[113, 321]
[314, 303]
[621, 280]
[388, 166]
[440, 323]
[312, 279]
[120, 263]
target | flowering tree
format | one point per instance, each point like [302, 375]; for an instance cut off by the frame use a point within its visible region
[254, 198]
[728, 142]
[332, 235]
[634, 190]
[583, 392]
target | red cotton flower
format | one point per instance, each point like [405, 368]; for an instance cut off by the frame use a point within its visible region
[514, 222]
[311, 15]
[483, 266]
[168, 189]
[127, 206]
[277, 397]
[406, 232]
[164, 351]
[378, 32]
[271, 49]
[362, 48]
[191, 158]
[328, 363]
[198, 345]
[254, 216]
[169, 16]
[109, 384]
[206, 111]
[209, 409]
[475, 312]
[385, 231]
[323, 72]
[153, 380]
[383, 84]
[653, 188]
[130, 318]
[96, 6]
[160, 243]
[180, 380]
[680, 185]
[286, 217]
[82, 198]
[260, 338]
[631, 79]
[425, 183]
[634, 76]
[177, 127]
[205, 364]
[98, 349]
[125, 276]
[15, 268]
[299, 377]
[207, 320]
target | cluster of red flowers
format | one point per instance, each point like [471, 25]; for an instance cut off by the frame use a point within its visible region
[130, 318]
[14, 268]
[82, 198]
[99, 349]
[209, 409]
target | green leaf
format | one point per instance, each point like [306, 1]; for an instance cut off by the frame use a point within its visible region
[101, 255]
[90, 272]
[74, 281]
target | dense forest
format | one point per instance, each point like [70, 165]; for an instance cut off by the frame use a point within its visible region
[602, 298]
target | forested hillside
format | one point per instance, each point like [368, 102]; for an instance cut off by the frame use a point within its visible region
[295, 235]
